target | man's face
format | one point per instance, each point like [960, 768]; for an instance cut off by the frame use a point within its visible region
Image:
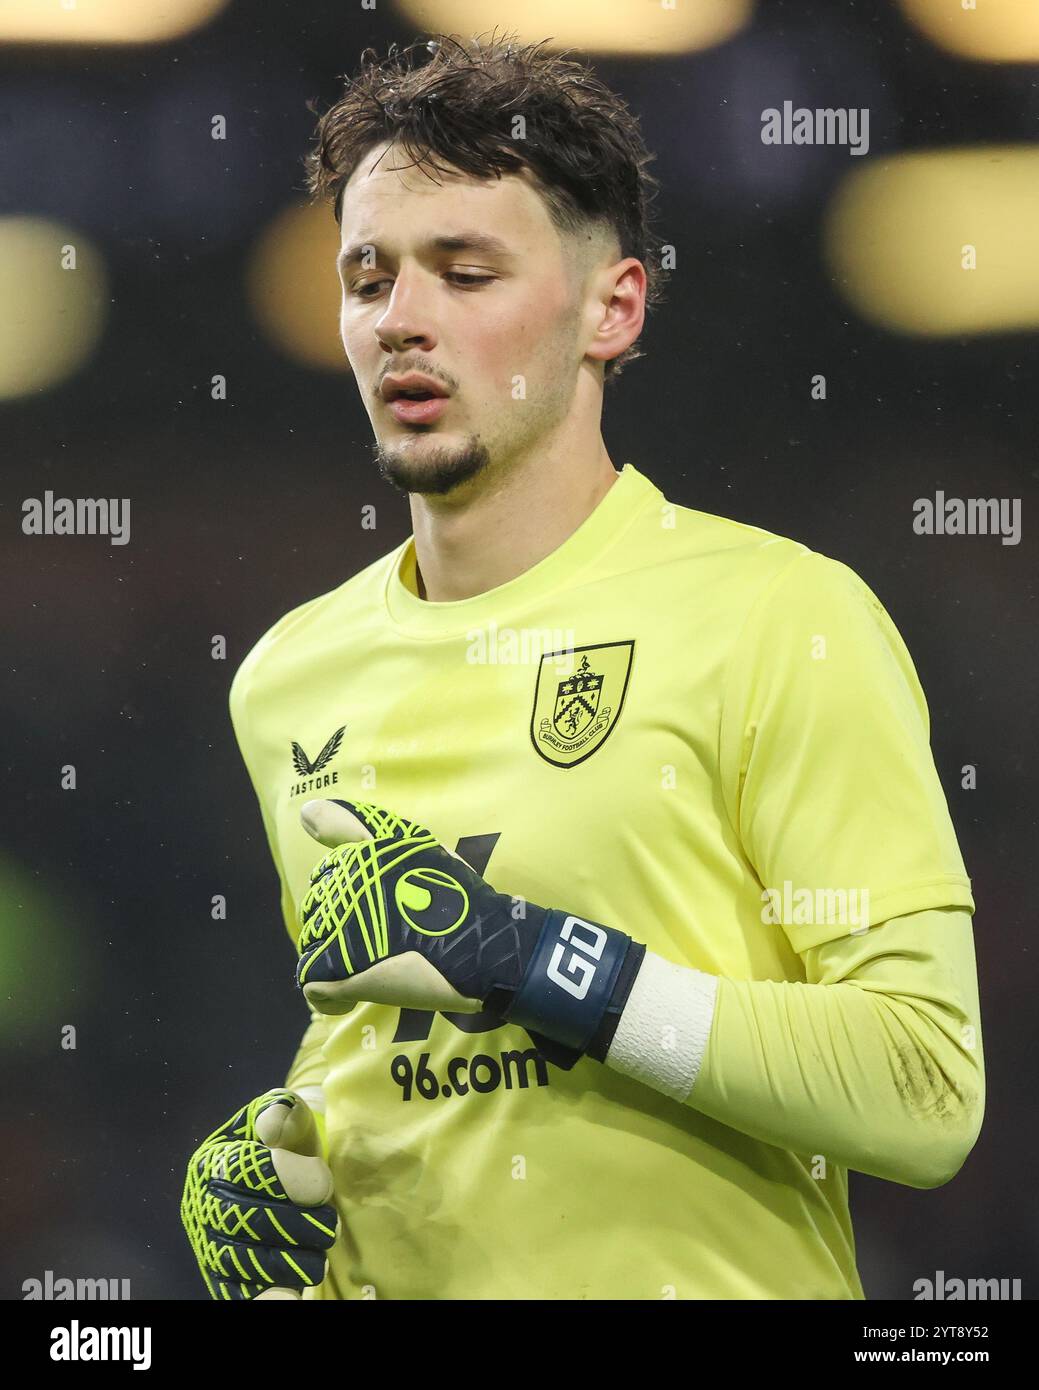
[468, 282]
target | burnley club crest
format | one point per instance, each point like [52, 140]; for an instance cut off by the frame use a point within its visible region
[578, 700]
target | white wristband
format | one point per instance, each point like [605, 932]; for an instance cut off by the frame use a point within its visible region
[662, 1035]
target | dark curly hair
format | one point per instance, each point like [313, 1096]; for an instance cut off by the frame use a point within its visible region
[455, 101]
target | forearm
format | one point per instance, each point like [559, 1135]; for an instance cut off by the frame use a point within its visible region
[880, 1071]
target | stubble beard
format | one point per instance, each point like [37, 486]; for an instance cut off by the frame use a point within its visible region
[436, 471]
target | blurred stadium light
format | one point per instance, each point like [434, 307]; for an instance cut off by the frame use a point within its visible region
[53, 287]
[988, 30]
[102, 21]
[900, 233]
[641, 27]
[41, 921]
[293, 287]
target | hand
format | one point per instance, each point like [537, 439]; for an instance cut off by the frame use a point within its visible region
[393, 917]
[256, 1202]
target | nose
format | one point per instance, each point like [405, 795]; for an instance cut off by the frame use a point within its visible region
[407, 322]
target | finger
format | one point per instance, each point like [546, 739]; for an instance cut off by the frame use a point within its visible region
[334, 823]
[407, 981]
[307, 1180]
[289, 1131]
[242, 1124]
[288, 1123]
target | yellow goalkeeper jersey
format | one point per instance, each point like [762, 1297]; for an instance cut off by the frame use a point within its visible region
[674, 724]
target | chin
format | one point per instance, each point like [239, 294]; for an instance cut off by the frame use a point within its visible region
[435, 469]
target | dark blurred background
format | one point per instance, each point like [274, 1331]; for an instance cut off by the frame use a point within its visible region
[199, 257]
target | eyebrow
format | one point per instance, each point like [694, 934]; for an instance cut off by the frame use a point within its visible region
[482, 242]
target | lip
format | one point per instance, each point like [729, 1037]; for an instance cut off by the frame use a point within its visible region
[410, 412]
[392, 386]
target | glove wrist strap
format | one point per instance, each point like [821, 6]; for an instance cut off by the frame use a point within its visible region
[570, 980]
[600, 1044]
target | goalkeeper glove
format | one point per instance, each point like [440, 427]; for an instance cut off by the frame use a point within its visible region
[394, 917]
[255, 1204]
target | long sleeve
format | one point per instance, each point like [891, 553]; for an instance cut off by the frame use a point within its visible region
[874, 1062]
[869, 1055]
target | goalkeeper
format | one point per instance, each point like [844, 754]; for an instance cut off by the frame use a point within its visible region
[643, 921]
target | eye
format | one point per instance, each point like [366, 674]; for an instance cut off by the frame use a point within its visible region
[359, 290]
[460, 278]
[468, 281]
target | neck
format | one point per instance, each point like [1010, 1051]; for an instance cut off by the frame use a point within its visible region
[505, 524]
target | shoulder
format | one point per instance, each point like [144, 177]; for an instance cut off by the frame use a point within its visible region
[740, 566]
[310, 624]
[763, 588]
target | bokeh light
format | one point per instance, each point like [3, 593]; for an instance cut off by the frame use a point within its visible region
[102, 21]
[46, 976]
[595, 26]
[53, 286]
[293, 287]
[990, 31]
[901, 233]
